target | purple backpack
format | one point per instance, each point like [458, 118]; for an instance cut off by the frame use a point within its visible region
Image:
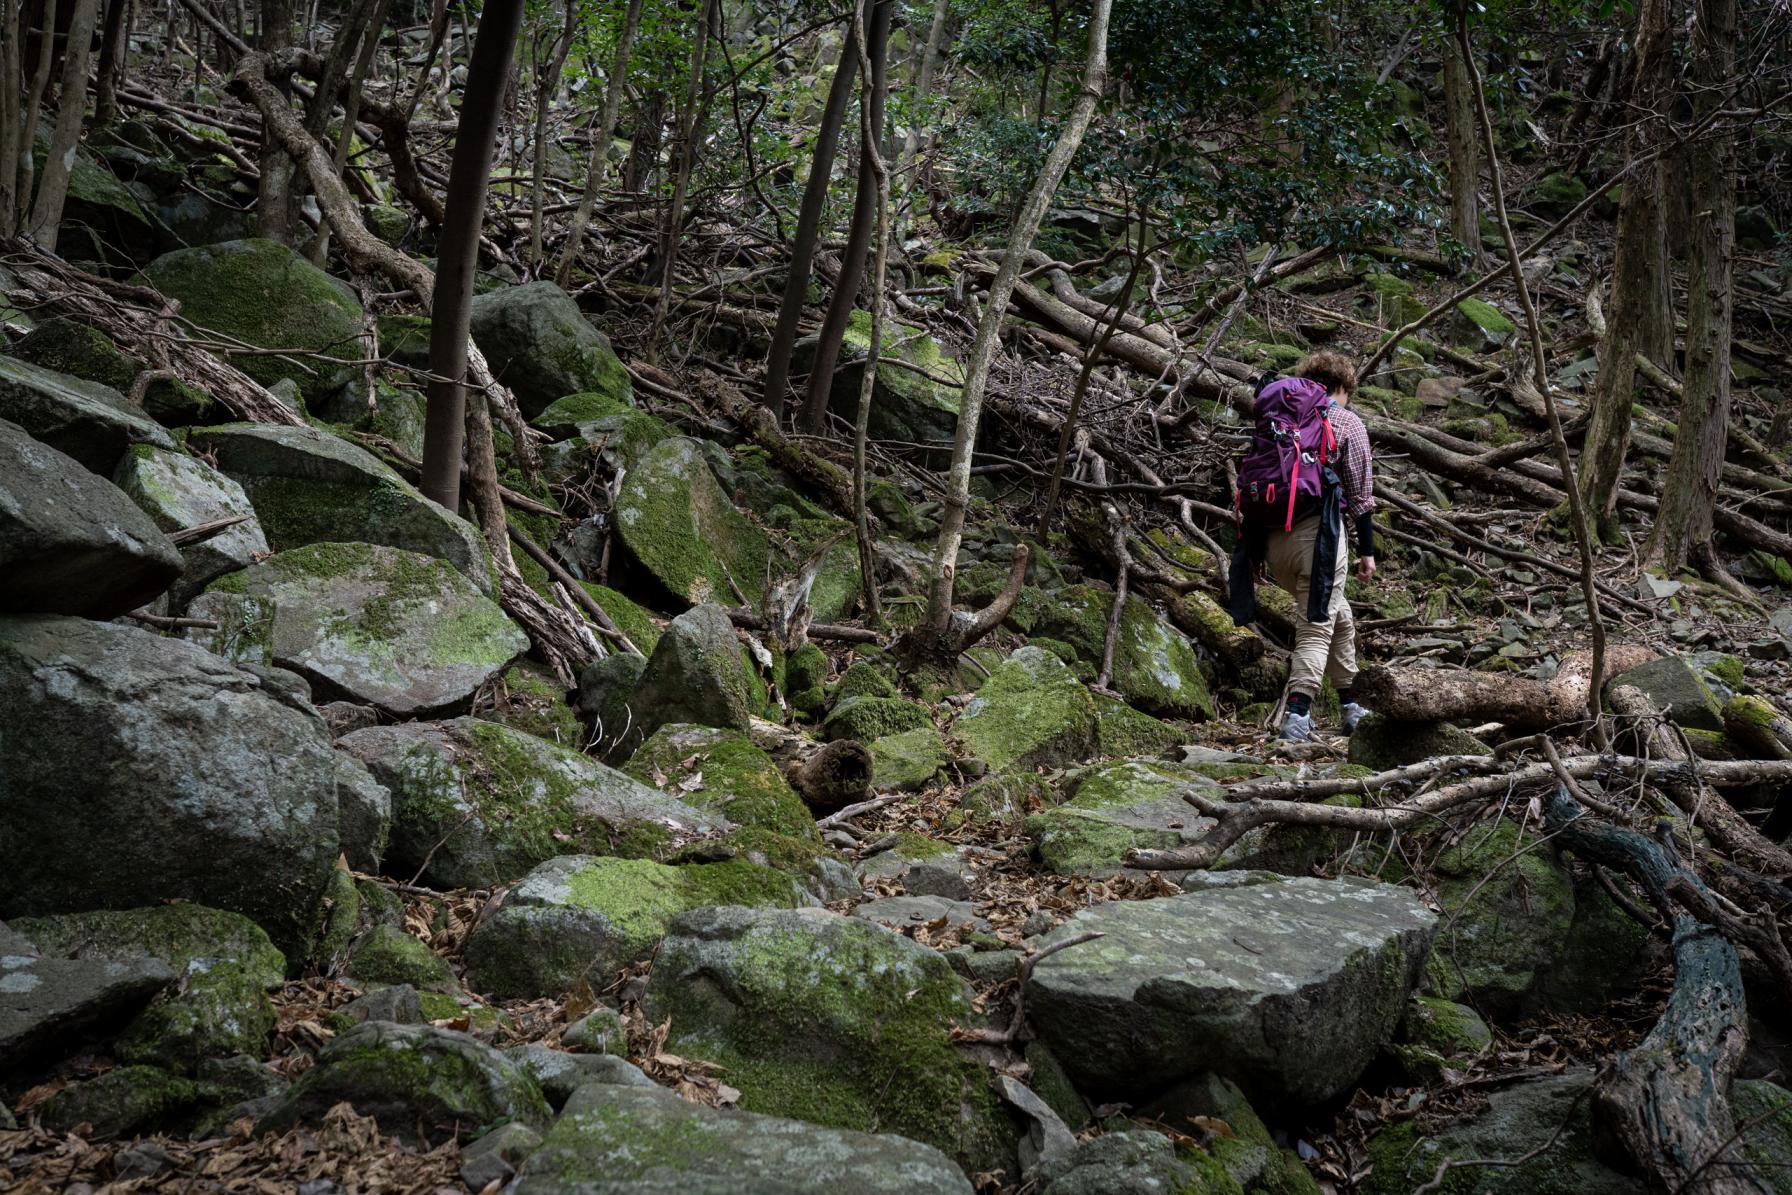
[1283, 472]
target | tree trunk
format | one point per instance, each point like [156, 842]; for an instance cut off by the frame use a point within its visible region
[547, 84]
[113, 38]
[71, 109]
[923, 82]
[601, 135]
[351, 111]
[934, 635]
[1465, 154]
[808, 223]
[40, 79]
[858, 236]
[12, 114]
[871, 135]
[273, 195]
[1452, 695]
[451, 307]
[644, 146]
[1683, 525]
[1641, 309]
[690, 124]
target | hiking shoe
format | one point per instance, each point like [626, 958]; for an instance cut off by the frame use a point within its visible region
[1350, 713]
[1298, 728]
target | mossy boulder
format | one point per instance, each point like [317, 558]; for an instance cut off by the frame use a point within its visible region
[1113, 809]
[1287, 986]
[1031, 712]
[863, 680]
[805, 674]
[1155, 668]
[365, 815]
[178, 491]
[1554, 194]
[226, 965]
[831, 1020]
[697, 674]
[722, 771]
[868, 718]
[917, 404]
[389, 956]
[630, 617]
[1763, 1113]
[88, 353]
[1121, 730]
[579, 918]
[678, 526]
[91, 422]
[1380, 743]
[541, 346]
[1452, 1030]
[308, 487]
[423, 1084]
[648, 1139]
[125, 1100]
[603, 702]
[1482, 325]
[142, 769]
[1248, 1153]
[908, 760]
[265, 295]
[1547, 1122]
[397, 630]
[588, 426]
[1674, 684]
[1508, 906]
[70, 542]
[534, 702]
[491, 803]
[1137, 1160]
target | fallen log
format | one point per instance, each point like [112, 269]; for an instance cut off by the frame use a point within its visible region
[1665, 1106]
[1452, 695]
[836, 776]
[1757, 725]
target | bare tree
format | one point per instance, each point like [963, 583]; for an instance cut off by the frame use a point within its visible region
[547, 83]
[452, 305]
[690, 122]
[273, 193]
[858, 236]
[936, 638]
[1640, 319]
[71, 108]
[1465, 152]
[601, 134]
[114, 34]
[926, 67]
[1682, 529]
[808, 221]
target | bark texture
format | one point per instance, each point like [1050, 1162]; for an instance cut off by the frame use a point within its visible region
[1447, 695]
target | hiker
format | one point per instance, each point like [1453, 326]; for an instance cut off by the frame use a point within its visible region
[1306, 476]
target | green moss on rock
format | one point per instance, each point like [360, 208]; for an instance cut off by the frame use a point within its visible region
[721, 770]
[868, 718]
[390, 956]
[1030, 712]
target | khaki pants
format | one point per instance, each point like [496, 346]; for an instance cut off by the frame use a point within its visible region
[1321, 649]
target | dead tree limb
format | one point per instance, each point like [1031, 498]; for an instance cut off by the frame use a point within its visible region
[1451, 695]
[1666, 1104]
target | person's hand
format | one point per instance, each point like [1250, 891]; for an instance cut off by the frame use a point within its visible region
[1365, 569]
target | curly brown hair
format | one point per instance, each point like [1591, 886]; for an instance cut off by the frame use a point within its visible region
[1332, 370]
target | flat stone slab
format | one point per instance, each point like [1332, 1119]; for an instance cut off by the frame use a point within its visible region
[50, 1004]
[641, 1141]
[398, 630]
[898, 912]
[1287, 987]
[88, 421]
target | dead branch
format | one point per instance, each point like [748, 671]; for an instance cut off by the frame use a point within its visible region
[1450, 694]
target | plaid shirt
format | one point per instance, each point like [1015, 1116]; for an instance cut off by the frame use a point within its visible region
[1354, 462]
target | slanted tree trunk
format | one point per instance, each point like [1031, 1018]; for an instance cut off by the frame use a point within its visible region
[935, 636]
[858, 236]
[1640, 315]
[1682, 529]
[71, 108]
[690, 122]
[452, 305]
[808, 222]
[1465, 153]
[601, 134]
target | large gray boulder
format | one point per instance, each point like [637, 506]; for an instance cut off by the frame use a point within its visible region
[177, 492]
[70, 543]
[142, 769]
[482, 804]
[830, 1019]
[262, 293]
[542, 347]
[1155, 666]
[220, 1007]
[310, 487]
[392, 629]
[51, 1004]
[583, 918]
[366, 813]
[90, 422]
[1673, 684]
[1288, 987]
[423, 1084]
[679, 527]
[561, 1073]
[916, 392]
[697, 674]
[650, 1142]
